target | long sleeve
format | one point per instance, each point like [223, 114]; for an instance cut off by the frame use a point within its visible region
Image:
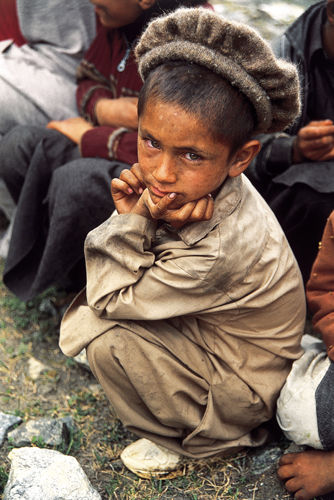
[110, 143]
[126, 281]
[320, 289]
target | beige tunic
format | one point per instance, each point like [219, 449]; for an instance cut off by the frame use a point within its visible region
[213, 311]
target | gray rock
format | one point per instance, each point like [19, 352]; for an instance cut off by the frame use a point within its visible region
[7, 422]
[47, 307]
[69, 422]
[263, 460]
[82, 360]
[46, 431]
[37, 474]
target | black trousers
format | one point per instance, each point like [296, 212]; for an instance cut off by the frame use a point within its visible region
[60, 197]
[302, 212]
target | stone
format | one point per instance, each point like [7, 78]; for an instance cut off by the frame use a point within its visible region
[82, 360]
[41, 474]
[35, 368]
[69, 422]
[47, 307]
[7, 422]
[48, 431]
[266, 458]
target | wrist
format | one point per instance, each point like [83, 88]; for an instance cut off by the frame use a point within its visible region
[103, 110]
[296, 156]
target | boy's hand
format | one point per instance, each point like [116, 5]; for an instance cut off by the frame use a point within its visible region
[193, 211]
[127, 190]
[73, 128]
[315, 142]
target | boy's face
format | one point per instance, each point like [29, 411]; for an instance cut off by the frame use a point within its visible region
[178, 155]
[117, 13]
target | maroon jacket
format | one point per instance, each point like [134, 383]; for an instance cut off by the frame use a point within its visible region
[98, 78]
[320, 288]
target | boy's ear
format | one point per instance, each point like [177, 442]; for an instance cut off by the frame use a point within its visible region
[243, 157]
[146, 4]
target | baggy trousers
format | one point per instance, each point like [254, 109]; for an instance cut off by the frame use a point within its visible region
[167, 389]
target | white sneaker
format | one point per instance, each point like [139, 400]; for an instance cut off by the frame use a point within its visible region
[147, 459]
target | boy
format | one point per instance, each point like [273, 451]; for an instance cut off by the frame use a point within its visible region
[194, 305]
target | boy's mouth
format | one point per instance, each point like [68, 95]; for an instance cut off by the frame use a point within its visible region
[159, 193]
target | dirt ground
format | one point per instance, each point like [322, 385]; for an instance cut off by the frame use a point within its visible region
[65, 388]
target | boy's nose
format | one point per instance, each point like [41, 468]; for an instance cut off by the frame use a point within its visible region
[165, 171]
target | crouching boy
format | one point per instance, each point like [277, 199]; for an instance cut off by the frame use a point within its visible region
[194, 305]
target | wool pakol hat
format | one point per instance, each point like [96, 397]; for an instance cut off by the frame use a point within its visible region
[230, 49]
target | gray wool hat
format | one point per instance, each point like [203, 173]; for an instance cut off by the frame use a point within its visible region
[230, 49]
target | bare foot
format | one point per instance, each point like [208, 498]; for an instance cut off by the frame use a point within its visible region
[308, 474]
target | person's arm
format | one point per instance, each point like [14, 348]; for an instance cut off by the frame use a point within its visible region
[110, 143]
[131, 278]
[125, 280]
[320, 288]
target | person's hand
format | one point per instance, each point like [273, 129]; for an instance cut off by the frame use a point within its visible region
[193, 211]
[315, 142]
[127, 190]
[120, 112]
[73, 128]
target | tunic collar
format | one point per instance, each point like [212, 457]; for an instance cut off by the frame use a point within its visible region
[226, 202]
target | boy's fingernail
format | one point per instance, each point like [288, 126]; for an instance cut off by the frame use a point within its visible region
[171, 195]
[130, 191]
[141, 190]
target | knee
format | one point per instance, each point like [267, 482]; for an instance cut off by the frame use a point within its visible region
[103, 353]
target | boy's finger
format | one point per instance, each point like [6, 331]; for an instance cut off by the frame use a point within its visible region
[157, 209]
[200, 208]
[137, 172]
[133, 181]
[119, 186]
[209, 208]
[185, 212]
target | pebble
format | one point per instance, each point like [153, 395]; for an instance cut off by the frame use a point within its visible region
[50, 432]
[40, 474]
[7, 422]
[35, 368]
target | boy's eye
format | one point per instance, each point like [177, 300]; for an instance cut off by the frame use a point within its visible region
[151, 143]
[192, 156]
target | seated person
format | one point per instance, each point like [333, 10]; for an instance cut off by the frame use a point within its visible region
[305, 406]
[295, 170]
[195, 305]
[60, 196]
[37, 80]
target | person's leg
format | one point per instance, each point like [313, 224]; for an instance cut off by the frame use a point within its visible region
[302, 213]
[304, 412]
[17, 150]
[169, 390]
[48, 236]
